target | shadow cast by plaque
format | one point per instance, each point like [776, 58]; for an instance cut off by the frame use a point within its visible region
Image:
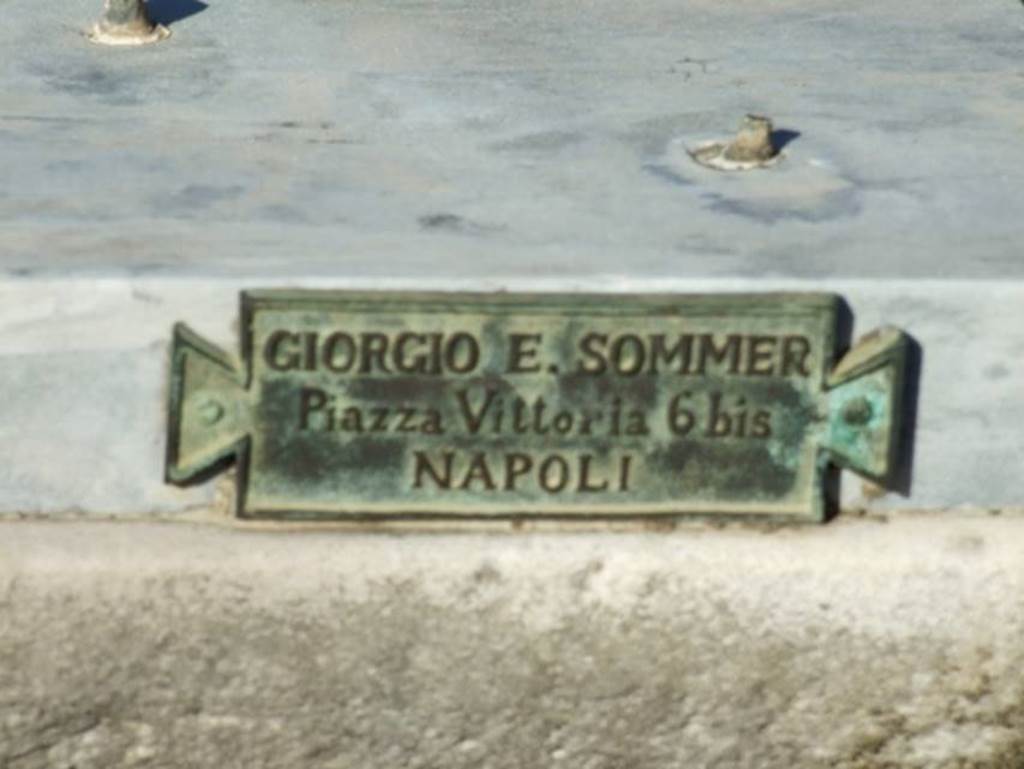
[901, 480]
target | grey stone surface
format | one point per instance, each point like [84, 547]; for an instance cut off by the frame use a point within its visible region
[83, 377]
[497, 145]
[864, 644]
[513, 138]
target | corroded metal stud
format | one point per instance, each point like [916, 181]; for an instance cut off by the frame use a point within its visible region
[752, 148]
[126, 22]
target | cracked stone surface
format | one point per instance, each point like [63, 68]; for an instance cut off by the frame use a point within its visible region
[859, 645]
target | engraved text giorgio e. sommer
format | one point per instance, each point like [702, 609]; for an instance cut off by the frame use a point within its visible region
[480, 408]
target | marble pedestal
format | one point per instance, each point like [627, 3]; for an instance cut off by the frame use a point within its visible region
[504, 146]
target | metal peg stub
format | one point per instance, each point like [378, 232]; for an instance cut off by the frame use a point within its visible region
[126, 22]
[752, 148]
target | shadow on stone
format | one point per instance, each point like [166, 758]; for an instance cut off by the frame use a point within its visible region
[902, 477]
[783, 136]
[844, 340]
[170, 11]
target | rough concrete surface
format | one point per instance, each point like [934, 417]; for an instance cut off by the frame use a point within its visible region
[863, 644]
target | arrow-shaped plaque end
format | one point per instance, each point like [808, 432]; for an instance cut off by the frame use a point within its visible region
[208, 413]
[866, 406]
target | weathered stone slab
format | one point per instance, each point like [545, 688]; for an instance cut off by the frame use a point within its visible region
[445, 146]
[452, 140]
[86, 366]
[859, 645]
[503, 146]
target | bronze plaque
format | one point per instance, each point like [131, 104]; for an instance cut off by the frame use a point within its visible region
[351, 405]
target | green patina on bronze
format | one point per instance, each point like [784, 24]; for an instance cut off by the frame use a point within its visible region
[381, 405]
